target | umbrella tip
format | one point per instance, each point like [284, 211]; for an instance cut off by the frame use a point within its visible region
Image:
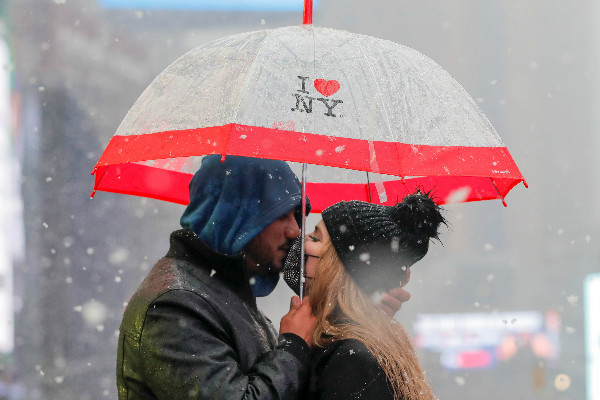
[307, 16]
[504, 203]
[525, 183]
[93, 194]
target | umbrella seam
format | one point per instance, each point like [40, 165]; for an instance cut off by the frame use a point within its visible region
[247, 79]
[375, 80]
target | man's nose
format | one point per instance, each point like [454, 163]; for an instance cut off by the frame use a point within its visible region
[292, 231]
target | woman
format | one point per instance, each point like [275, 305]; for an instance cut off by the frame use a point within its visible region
[357, 252]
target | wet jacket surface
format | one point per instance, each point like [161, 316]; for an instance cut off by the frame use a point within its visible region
[347, 370]
[193, 331]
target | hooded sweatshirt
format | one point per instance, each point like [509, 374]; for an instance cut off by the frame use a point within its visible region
[192, 329]
[232, 201]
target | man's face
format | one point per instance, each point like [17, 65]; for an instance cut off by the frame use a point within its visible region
[266, 252]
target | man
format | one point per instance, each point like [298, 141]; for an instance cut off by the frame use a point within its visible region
[192, 330]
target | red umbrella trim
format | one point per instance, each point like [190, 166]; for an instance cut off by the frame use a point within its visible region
[456, 173]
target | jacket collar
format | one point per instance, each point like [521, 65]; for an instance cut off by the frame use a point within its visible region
[186, 246]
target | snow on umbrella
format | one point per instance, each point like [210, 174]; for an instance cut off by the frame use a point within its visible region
[310, 95]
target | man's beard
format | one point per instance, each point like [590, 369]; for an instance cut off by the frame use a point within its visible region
[260, 255]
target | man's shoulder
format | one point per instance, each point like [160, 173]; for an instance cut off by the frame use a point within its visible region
[166, 275]
[173, 274]
[184, 280]
[189, 277]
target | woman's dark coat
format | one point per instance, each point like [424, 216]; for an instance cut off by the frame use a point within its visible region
[347, 370]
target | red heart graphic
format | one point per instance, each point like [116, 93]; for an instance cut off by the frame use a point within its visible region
[327, 88]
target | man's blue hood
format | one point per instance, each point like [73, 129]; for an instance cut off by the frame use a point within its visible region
[233, 201]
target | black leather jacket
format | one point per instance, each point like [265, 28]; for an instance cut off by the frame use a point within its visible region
[193, 331]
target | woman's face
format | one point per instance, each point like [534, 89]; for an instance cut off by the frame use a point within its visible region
[314, 244]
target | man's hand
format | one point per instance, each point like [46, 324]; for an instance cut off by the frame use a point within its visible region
[299, 320]
[392, 301]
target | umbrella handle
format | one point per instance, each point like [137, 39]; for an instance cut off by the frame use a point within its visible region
[302, 231]
[307, 16]
[369, 187]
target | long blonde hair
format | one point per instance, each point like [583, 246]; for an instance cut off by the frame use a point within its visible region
[344, 311]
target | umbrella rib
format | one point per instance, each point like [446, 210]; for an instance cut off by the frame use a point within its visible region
[369, 187]
[312, 31]
[262, 43]
[375, 80]
[304, 169]
[497, 191]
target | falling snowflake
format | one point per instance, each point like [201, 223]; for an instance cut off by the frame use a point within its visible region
[570, 329]
[94, 313]
[460, 381]
[562, 382]
[573, 300]
[118, 256]
[458, 195]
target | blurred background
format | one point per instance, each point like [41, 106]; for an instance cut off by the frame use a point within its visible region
[506, 307]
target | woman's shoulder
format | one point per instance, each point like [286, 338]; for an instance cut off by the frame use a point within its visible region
[349, 350]
[347, 369]
[347, 353]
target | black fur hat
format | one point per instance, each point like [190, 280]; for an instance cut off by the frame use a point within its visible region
[376, 243]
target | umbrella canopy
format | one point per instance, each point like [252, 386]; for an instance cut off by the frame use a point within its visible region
[310, 95]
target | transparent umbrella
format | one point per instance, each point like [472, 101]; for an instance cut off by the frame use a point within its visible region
[312, 95]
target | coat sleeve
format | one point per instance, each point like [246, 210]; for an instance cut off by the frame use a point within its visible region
[352, 372]
[186, 354]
